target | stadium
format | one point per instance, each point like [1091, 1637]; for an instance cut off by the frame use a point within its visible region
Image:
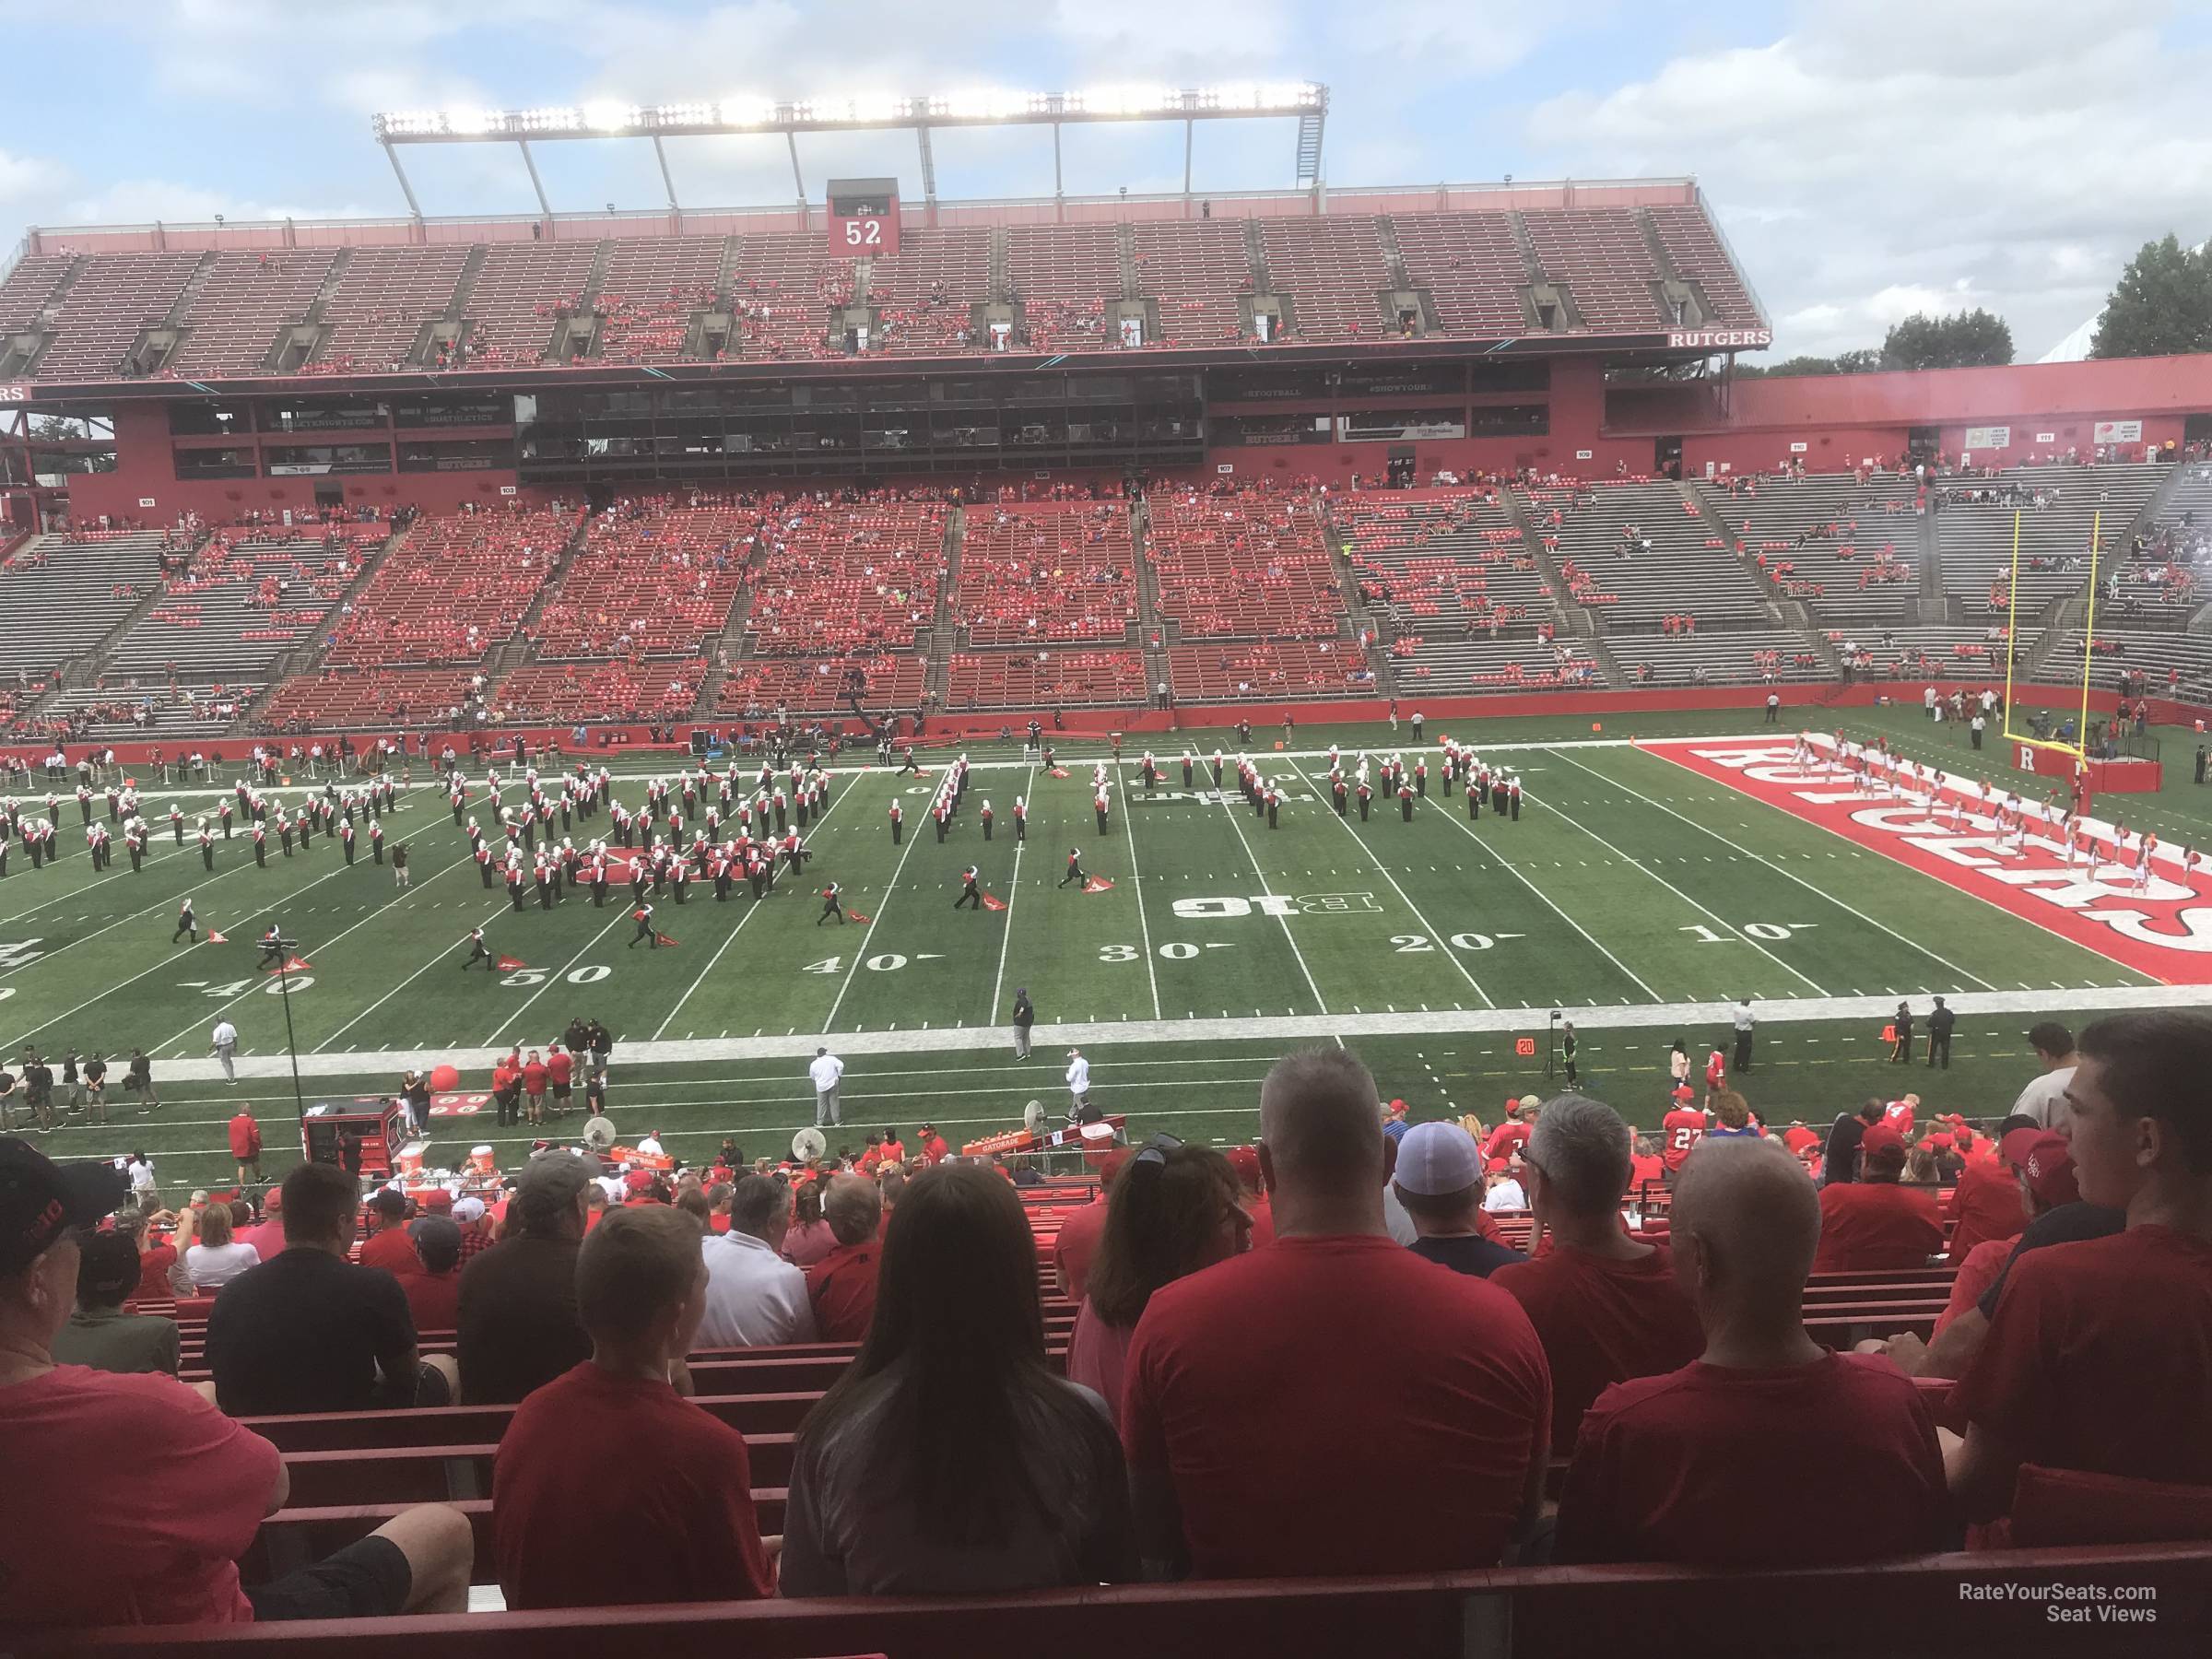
[1370, 673]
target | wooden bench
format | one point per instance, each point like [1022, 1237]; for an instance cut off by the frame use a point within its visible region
[1916, 1606]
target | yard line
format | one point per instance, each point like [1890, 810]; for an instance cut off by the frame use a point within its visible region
[1638, 864]
[1506, 864]
[898, 870]
[442, 956]
[1005, 938]
[1319, 1002]
[1808, 887]
[507, 1022]
[1383, 870]
[327, 944]
[1138, 875]
[734, 931]
[164, 961]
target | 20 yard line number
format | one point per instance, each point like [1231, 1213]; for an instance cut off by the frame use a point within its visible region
[1413, 944]
[591, 974]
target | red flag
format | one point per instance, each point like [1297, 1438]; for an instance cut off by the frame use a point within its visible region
[507, 964]
[991, 901]
[1095, 884]
[665, 939]
[855, 916]
[295, 965]
[921, 771]
[216, 939]
[1058, 771]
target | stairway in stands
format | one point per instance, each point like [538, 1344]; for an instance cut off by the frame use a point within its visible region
[944, 629]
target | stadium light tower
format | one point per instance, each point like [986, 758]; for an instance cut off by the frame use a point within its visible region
[1305, 101]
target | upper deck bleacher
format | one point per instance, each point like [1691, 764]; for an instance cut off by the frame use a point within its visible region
[95, 289]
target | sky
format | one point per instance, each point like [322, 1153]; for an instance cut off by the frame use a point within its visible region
[1866, 159]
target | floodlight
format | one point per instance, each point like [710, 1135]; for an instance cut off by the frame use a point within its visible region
[610, 117]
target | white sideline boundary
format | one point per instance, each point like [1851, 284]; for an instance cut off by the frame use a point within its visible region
[1280, 1027]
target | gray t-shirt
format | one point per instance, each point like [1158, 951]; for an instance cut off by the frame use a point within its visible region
[116, 1341]
[848, 1532]
[2045, 1099]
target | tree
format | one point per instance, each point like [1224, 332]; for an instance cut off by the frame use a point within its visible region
[1844, 362]
[1866, 360]
[2161, 306]
[1973, 339]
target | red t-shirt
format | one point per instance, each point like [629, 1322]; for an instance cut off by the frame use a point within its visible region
[434, 1299]
[1976, 1275]
[1442, 1370]
[2098, 1356]
[1505, 1140]
[1716, 1071]
[153, 1274]
[534, 1077]
[1985, 1205]
[392, 1251]
[1080, 1230]
[1644, 1169]
[1685, 1127]
[842, 1285]
[934, 1148]
[677, 1482]
[1870, 1226]
[163, 1491]
[245, 1138]
[560, 1068]
[1898, 1114]
[1716, 1467]
[1601, 1321]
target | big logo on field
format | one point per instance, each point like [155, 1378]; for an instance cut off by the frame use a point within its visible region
[1276, 904]
[2163, 929]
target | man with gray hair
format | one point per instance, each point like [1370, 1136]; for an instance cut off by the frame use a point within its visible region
[1745, 1225]
[842, 1285]
[1605, 1304]
[754, 1299]
[1453, 1397]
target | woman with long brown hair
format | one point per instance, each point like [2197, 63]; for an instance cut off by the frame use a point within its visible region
[1176, 1208]
[949, 1459]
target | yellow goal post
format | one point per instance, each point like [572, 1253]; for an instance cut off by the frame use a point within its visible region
[2089, 635]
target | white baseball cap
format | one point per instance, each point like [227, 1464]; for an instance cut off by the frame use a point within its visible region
[1436, 1158]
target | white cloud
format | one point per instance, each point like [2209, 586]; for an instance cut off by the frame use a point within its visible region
[22, 177]
[143, 201]
[1948, 155]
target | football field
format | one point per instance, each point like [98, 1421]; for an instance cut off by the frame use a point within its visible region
[1645, 888]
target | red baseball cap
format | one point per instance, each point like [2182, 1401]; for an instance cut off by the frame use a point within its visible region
[2049, 1170]
[1881, 1135]
[2015, 1146]
[1245, 1162]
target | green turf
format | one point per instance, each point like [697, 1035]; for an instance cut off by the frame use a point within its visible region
[1628, 881]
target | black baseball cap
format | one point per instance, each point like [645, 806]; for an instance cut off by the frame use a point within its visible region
[40, 1200]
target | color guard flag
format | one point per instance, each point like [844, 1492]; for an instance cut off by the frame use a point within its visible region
[1095, 884]
[293, 966]
[217, 939]
[665, 939]
[1058, 771]
[507, 964]
[991, 901]
[855, 916]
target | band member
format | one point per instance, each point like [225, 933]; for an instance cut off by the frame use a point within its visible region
[971, 893]
[644, 936]
[1075, 866]
[478, 952]
[188, 924]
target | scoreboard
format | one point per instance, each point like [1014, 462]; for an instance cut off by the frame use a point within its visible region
[863, 217]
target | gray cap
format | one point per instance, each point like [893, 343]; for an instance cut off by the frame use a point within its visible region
[549, 1184]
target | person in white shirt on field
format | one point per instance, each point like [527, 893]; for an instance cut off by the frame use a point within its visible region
[826, 1069]
[754, 1299]
[223, 1040]
[1078, 1084]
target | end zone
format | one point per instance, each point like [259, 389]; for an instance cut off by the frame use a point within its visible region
[2163, 930]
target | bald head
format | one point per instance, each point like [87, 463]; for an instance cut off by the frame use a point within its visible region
[1320, 1126]
[1744, 1226]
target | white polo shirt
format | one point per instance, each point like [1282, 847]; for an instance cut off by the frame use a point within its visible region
[755, 1297]
[825, 1071]
[225, 1035]
[1078, 1077]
